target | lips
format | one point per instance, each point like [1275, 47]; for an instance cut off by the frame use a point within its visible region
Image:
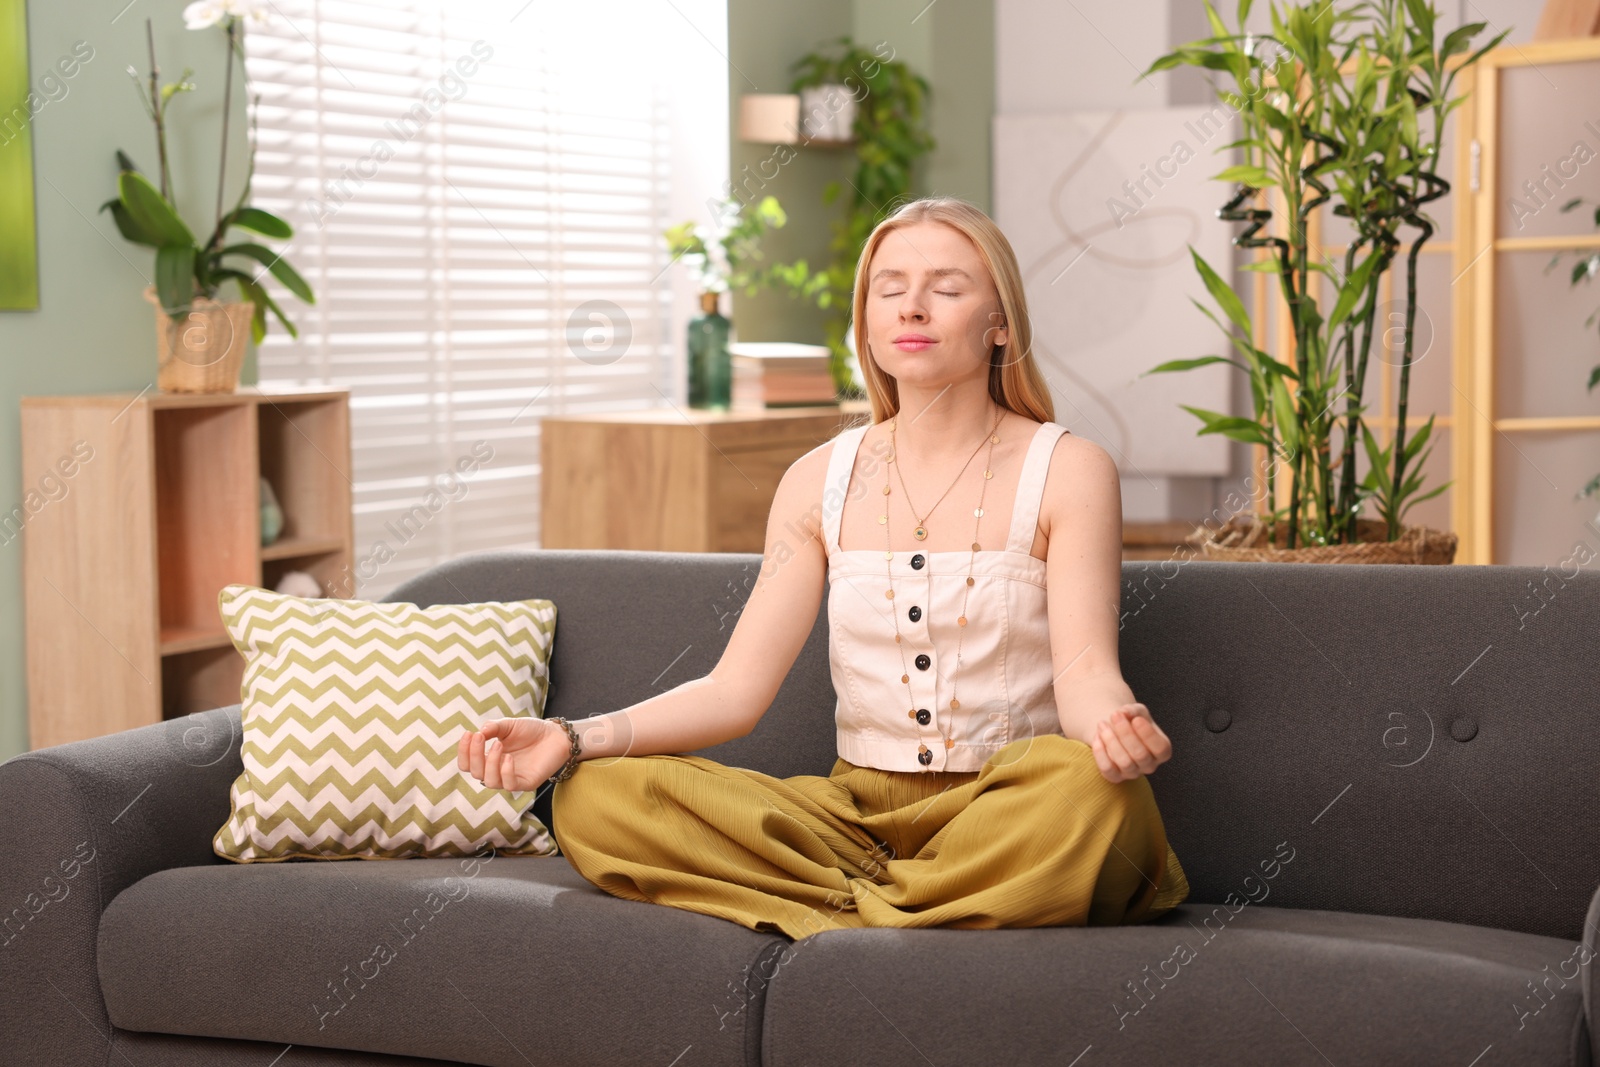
[913, 342]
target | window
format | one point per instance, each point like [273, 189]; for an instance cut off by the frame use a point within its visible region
[478, 194]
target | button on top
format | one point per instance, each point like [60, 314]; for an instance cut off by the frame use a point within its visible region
[923, 662]
[923, 716]
[915, 613]
[917, 561]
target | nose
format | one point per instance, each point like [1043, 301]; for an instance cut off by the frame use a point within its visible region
[911, 308]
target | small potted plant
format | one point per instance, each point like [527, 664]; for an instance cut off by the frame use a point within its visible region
[201, 341]
[722, 256]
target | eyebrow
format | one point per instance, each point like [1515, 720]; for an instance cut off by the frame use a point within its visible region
[937, 272]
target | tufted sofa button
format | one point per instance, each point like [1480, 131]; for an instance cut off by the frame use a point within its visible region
[1464, 728]
[1218, 720]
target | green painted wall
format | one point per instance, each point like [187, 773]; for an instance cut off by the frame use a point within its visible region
[951, 45]
[93, 331]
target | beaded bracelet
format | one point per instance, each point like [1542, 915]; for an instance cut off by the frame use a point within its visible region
[572, 761]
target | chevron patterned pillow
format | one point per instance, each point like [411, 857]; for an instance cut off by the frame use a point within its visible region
[352, 714]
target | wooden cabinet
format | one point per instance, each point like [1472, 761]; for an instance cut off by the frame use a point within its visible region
[673, 479]
[696, 481]
[139, 509]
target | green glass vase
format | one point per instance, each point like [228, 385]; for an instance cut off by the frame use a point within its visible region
[710, 367]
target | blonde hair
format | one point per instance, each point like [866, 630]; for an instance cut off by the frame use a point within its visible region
[1014, 384]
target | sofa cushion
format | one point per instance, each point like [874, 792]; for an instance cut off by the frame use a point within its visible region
[1259, 985]
[1425, 736]
[353, 712]
[503, 960]
[171, 1050]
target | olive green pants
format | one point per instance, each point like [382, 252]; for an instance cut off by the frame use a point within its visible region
[1037, 837]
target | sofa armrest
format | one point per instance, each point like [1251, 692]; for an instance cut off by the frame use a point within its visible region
[79, 823]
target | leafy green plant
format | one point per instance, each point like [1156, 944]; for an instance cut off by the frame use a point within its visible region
[727, 255]
[144, 212]
[1332, 103]
[1584, 270]
[890, 134]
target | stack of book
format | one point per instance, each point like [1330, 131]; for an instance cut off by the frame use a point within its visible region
[777, 374]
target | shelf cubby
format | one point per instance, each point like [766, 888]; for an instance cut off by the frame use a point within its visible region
[207, 529]
[160, 510]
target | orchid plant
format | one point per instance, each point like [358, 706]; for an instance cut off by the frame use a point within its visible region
[144, 212]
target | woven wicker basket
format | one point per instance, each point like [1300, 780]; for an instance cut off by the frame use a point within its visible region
[205, 352]
[1243, 538]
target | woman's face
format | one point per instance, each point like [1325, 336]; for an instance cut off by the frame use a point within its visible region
[932, 310]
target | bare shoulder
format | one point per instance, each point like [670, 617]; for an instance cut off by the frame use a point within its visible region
[1082, 483]
[800, 492]
[810, 469]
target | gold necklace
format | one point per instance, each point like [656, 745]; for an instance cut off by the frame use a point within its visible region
[921, 531]
[925, 754]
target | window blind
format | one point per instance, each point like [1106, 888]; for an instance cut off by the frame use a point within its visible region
[478, 194]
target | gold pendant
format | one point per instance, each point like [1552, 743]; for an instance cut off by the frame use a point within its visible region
[949, 742]
[920, 533]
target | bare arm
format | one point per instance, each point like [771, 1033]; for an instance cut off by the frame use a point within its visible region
[1083, 568]
[522, 752]
[771, 630]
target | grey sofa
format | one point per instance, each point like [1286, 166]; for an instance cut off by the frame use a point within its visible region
[1384, 793]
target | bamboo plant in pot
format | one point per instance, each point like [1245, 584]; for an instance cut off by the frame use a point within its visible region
[1344, 105]
[201, 341]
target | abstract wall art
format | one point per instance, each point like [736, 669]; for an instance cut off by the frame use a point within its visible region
[19, 242]
[1101, 209]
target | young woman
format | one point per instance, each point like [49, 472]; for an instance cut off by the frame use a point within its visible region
[991, 756]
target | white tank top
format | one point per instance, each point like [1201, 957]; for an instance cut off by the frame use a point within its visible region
[1005, 679]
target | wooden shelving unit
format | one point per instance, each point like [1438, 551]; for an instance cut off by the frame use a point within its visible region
[148, 504]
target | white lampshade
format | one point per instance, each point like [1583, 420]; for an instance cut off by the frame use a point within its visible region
[769, 118]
